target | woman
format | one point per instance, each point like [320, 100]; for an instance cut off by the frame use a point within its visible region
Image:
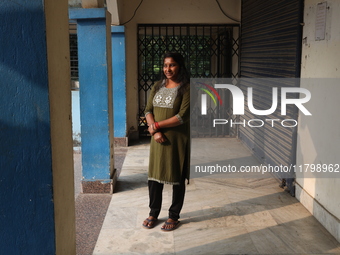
[168, 115]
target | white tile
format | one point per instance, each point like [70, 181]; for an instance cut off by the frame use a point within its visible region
[219, 216]
[213, 241]
[134, 241]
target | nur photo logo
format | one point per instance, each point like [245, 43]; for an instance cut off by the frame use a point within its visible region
[243, 99]
[208, 89]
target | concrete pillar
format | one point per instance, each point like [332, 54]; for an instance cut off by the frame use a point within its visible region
[36, 162]
[119, 85]
[96, 113]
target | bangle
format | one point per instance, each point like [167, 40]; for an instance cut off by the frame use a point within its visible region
[157, 126]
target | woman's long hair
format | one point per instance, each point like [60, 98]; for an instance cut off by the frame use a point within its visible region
[183, 77]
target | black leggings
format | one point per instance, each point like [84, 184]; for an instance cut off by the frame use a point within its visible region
[155, 195]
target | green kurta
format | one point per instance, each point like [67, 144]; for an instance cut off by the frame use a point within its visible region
[170, 159]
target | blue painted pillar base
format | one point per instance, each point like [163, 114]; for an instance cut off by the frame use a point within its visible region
[96, 103]
[104, 186]
[119, 85]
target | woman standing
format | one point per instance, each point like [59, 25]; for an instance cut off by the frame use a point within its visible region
[168, 116]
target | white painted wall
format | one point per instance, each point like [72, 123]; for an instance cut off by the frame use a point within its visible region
[164, 12]
[319, 135]
[112, 7]
[76, 127]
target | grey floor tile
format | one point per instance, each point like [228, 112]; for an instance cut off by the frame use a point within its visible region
[220, 215]
[217, 240]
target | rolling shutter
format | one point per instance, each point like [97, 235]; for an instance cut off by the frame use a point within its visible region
[270, 48]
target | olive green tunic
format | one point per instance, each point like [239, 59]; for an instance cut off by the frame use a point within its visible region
[168, 160]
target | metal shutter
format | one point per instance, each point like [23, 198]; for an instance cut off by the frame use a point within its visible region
[270, 47]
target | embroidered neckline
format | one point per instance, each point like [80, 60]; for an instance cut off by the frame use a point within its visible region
[165, 97]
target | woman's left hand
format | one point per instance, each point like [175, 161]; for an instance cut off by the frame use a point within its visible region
[159, 137]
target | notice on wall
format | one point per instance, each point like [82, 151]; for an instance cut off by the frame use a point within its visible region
[320, 21]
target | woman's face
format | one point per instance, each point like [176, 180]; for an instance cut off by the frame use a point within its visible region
[170, 68]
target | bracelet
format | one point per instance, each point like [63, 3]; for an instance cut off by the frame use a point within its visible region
[157, 126]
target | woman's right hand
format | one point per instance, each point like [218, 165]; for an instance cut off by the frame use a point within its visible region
[152, 129]
[159, 137]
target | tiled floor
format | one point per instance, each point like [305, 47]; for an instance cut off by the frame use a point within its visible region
[220, 215]
[91, 208]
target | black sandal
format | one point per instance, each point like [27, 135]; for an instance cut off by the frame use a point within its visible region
[151, 223]
[174, 223]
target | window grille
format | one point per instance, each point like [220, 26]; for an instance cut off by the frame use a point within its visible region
[74, 55]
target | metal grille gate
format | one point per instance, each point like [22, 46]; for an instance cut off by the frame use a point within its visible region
[211, 51]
